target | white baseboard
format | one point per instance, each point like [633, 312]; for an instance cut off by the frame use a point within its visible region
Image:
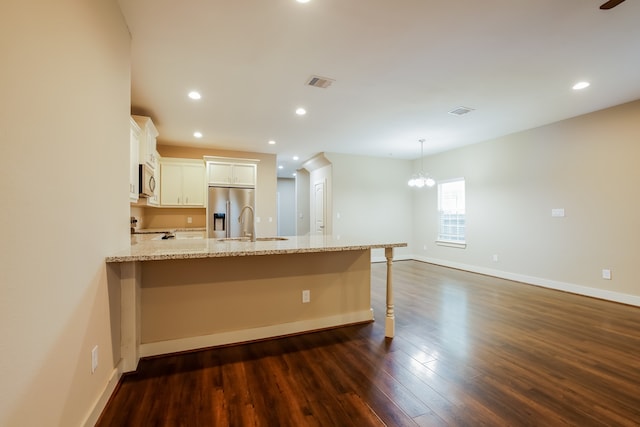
[538, 281]
[104, 397]
[245, 335]
[395, 258]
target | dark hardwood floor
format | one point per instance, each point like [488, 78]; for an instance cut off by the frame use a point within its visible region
[469, 350]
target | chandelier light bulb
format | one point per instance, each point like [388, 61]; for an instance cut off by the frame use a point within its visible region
[421, 179]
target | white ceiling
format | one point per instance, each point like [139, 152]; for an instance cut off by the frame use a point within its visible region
[399, 67]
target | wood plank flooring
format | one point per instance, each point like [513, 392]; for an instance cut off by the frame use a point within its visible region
[469, 350]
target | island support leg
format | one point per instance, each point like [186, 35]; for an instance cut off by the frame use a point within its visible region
[390, 319]
[130, 315]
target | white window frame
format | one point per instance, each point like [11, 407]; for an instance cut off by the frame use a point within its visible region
[443, 239]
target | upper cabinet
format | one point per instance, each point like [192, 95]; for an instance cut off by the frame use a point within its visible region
[232, 173]
[148, 135]
[182, 182]
[134, 153]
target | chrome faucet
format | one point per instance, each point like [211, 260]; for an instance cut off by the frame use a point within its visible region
[253, 221]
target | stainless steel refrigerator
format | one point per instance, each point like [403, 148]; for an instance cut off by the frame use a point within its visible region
[224, 206]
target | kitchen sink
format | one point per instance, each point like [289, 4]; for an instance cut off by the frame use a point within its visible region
[234, 239]
[189, 234]
[248, 239]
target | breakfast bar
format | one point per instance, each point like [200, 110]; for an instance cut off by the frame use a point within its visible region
[184, 294]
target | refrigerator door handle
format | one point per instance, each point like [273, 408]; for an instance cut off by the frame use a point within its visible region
[228, 230]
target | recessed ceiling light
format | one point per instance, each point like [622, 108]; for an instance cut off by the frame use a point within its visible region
[280, 167]
[272, 142]
[296, 157]
[197, 134]
[581, 85]
[301, 111]
[194, 95]
[294, 174]
[303, 1]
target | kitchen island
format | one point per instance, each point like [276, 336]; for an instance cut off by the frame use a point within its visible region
[184, 294]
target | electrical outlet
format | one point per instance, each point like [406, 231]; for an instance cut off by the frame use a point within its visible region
[606, 274]
[94, 359]
[495, 258]
[189, 220]
[306, 296]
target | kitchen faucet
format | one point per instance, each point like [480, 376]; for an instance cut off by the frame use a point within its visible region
[253, 221]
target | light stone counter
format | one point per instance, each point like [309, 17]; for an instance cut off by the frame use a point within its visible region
[157, 250]
[184, 294]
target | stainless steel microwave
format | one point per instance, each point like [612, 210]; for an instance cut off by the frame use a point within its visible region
[146, 181]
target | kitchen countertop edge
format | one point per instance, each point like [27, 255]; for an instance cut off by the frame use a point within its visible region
[209, 248]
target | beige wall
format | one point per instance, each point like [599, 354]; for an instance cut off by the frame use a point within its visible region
[187, 298]
[174, 217]
[372, 199]
[587, 165]
[267, 181]
[64, 161]
[154, 217]
[303, 204]
[286, 207]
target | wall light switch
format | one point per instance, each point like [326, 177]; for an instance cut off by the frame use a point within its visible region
[306, 296]
[557, 212]
[189, 220]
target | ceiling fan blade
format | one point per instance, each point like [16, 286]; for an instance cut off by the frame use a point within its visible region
[611, 4]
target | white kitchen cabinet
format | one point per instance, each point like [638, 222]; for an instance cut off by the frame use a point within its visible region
[182, 182]
[148, 136]
[231, 174]
[134, 152]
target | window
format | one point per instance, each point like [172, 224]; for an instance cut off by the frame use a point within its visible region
[451, 213]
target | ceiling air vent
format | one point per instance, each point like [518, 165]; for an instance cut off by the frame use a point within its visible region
[321, 82]
[461, 111]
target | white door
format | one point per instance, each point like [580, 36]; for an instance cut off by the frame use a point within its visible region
[319, 207]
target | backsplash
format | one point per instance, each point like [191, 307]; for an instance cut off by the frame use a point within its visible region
[169, 217]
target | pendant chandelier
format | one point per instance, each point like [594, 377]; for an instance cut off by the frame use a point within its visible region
[421, 179]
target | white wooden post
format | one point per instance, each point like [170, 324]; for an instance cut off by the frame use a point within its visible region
[390, 319]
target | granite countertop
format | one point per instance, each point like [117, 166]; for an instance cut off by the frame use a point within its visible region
[156, 250]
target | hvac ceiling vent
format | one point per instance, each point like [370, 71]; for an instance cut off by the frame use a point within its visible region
[461, 111]
[321, 82]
